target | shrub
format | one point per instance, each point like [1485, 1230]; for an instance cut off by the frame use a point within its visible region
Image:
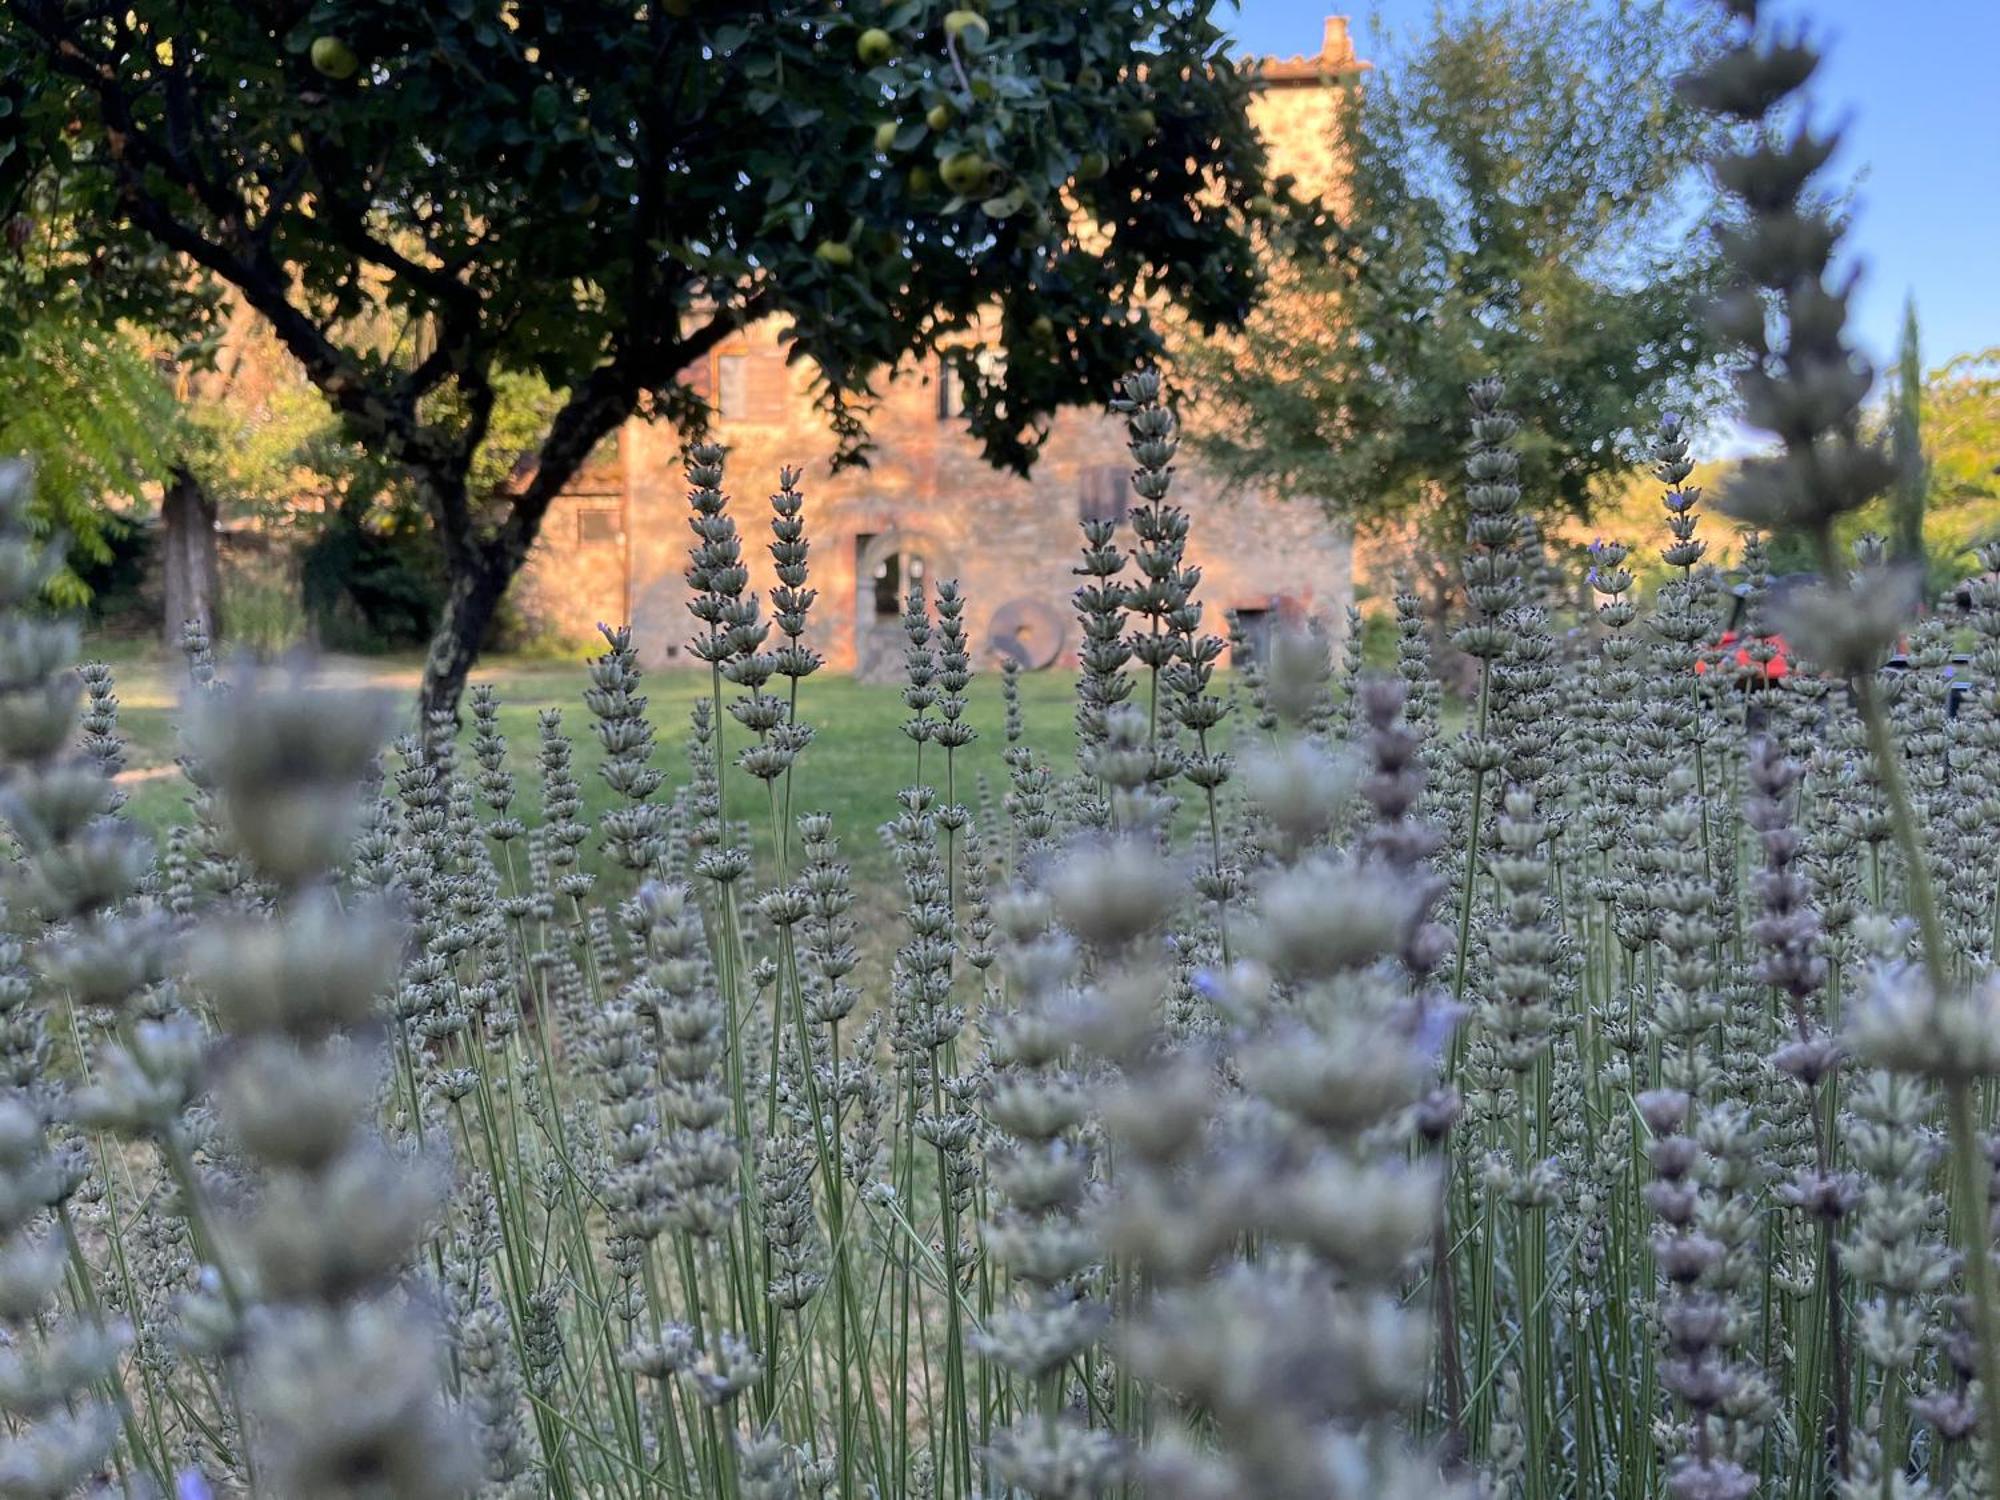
[368, 587]
[260, 611]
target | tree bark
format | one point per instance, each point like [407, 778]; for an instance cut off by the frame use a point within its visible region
[481, 568]
[477, 587]
[190, 564]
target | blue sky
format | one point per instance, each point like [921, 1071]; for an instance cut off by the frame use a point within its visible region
[1915, 77]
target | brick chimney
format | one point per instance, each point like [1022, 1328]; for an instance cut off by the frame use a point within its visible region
[1297, 109]
[1335, 44]
[1335, 60]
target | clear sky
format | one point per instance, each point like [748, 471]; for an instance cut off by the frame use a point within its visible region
[1916, 78]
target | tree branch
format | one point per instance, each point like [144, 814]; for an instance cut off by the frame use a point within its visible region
[594, 410]
[242, 256]
[347, 219]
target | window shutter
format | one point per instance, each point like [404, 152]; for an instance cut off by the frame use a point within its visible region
[1105, 496]
[768, 389]
[597, 524]
[732, 386]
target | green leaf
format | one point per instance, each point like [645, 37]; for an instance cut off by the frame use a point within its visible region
[478, 160]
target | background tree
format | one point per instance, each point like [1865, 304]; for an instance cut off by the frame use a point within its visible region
[98, 420]
[86, 371]
[1959, 422]
[1945, 438]
[1906, 445]
[598, 192]
[269, 446]
[1525, 197]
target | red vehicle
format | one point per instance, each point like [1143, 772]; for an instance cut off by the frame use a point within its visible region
[1731, 645]
[1735, 644]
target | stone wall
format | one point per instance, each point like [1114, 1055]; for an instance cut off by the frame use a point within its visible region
[616, 548]
[579, 573]
[930, 498]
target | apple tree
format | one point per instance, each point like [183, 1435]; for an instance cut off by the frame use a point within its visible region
[597, 192]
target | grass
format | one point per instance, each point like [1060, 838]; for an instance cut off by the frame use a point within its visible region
[852, 770]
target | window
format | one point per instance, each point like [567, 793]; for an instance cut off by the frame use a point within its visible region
[991, 365]
[732, 389]
[598, 523]
[950, 400]
[1105, 493]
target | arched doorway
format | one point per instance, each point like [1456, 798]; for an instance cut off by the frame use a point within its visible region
[887, 565]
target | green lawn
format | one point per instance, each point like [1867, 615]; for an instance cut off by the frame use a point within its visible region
[858, 760]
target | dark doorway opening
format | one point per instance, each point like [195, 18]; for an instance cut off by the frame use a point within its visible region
[891, 578]
[1256, 625]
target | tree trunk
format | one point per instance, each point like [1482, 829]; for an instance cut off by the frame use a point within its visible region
[190, 565]
[189, 556]
[480, 569]
[477, 587]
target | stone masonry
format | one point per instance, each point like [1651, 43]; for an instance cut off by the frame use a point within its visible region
[929, 508]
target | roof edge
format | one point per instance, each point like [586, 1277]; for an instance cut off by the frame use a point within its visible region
[1334, 63]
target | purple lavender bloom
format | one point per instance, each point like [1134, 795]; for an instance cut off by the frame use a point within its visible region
[1429, 1021]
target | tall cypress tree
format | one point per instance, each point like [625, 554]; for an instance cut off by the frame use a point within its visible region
[1907, 445]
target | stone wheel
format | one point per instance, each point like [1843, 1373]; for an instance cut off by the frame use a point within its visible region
[1030, 631]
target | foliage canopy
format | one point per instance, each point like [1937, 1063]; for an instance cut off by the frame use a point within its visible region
[1525, 198]
[597, 192]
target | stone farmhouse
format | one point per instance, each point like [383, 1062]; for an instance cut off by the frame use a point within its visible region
[929, 507]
